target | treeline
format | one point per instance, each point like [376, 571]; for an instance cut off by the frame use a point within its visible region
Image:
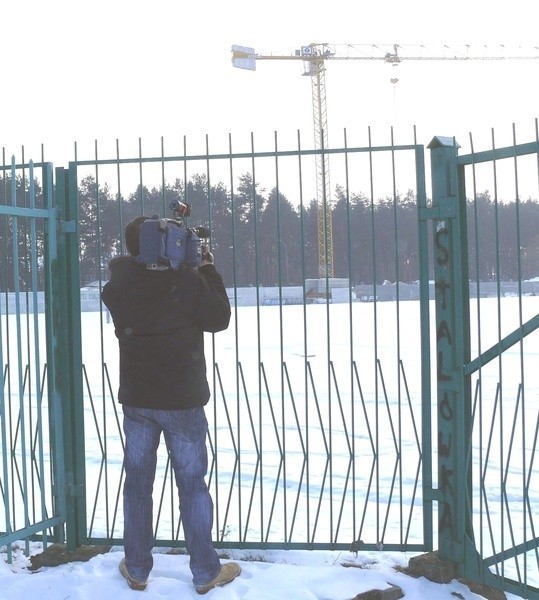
[266, 239]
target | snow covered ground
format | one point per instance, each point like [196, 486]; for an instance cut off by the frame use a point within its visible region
[266, 575]
[294, 574]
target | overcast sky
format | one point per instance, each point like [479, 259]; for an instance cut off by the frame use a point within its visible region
[80, 70]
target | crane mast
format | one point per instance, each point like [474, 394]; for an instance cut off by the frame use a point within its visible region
[314, 57]
[315, 68]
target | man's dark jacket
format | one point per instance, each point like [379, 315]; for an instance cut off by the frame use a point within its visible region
[159, 319]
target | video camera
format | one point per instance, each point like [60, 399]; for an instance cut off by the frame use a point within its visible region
[168, 244]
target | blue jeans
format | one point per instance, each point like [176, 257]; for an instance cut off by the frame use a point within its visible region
[185, 437]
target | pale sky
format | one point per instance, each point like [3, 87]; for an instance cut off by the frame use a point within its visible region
[80, 70]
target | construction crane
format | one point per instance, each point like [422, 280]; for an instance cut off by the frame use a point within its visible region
[314, 57]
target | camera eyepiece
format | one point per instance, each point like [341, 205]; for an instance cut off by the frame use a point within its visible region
[202, 232]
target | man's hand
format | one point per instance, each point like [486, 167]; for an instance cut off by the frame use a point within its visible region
[207, 256]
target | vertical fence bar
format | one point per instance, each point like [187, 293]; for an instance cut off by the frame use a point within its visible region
[426, 391]
[4, 378]
[351, 333]
[56, 347]
[67, 372]
[309, 539]
[17, 290]
[39, 392]
[52, 310]
[76, 384]
[452, 350]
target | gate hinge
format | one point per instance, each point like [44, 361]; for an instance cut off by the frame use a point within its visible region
[432, 494]
[67, 226]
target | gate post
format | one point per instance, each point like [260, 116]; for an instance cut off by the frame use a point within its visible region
[68, 353]
[455, 532]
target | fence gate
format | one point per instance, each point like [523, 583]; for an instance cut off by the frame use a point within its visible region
[38, 353]
[486, 332]
[316, 414]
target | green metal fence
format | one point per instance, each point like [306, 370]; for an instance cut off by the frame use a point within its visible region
[31, 456]
[323, 429]
[316, 417]
[488, 414]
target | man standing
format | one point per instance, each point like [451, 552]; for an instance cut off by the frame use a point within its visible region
[160, 317]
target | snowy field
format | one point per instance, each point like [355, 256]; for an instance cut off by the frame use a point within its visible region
[302, 455]
[274, 397]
